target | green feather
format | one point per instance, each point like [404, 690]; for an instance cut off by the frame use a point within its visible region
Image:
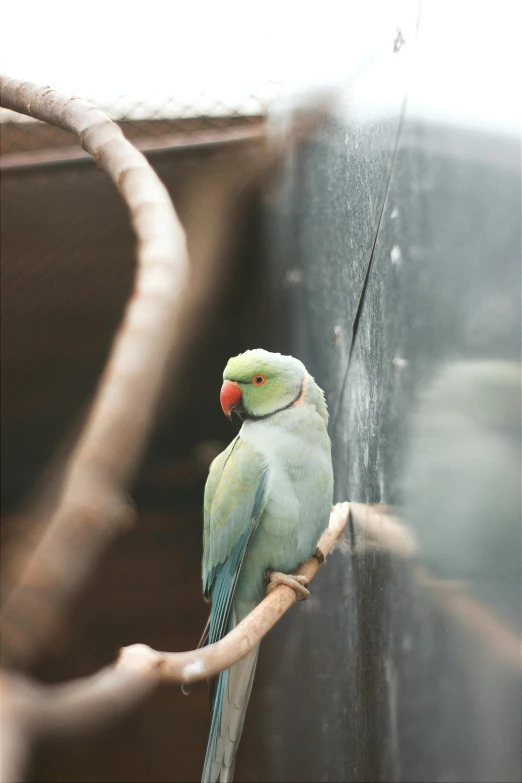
[234, 500]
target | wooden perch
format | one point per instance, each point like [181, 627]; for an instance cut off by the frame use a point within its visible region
[31, 711]
[93, 506]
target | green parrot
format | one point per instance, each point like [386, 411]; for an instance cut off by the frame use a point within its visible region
[268, 498]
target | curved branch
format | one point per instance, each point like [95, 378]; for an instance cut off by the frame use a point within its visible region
[31, 711]
[201, 664]
[93, 507]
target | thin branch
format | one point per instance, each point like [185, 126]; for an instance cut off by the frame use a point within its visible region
[31, 711]
[93, 506]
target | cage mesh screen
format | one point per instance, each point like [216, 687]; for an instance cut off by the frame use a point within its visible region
[68, 265]
[140, 120]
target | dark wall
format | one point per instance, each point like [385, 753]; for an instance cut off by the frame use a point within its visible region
[394, 255]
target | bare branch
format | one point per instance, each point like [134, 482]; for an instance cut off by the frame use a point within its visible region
[200, 664]
[31, 711]
[93, 507]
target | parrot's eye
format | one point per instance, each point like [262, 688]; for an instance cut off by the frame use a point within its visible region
[258, 380]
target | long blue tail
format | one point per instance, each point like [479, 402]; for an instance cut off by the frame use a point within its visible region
[228, 716]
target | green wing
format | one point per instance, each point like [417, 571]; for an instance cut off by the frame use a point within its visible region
[234, 501]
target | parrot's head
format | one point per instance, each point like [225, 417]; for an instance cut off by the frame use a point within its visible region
[258, 383]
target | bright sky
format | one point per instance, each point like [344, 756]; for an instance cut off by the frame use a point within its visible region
[203, 51]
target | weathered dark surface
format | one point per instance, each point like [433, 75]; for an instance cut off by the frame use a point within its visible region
[404, 669]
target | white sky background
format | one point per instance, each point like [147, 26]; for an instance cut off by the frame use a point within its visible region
[197, 52]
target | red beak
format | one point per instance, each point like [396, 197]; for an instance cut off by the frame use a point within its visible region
[230, 397]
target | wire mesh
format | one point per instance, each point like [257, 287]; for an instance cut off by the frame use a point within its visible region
[68, 264]
[148, 119]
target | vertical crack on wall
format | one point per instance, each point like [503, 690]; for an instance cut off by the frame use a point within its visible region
[362, 295]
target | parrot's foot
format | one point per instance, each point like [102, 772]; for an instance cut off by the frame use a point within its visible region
[295, 581]
[319, 556]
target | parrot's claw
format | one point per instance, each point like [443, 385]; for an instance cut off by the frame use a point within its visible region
[295, 581]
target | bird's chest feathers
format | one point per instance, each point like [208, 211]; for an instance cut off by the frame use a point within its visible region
[296, 459]
[286, 450]
[298, 495]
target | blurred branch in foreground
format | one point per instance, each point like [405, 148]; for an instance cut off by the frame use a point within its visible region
[31, 711]
[93, 507]
[377, 528]
[157, 328]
